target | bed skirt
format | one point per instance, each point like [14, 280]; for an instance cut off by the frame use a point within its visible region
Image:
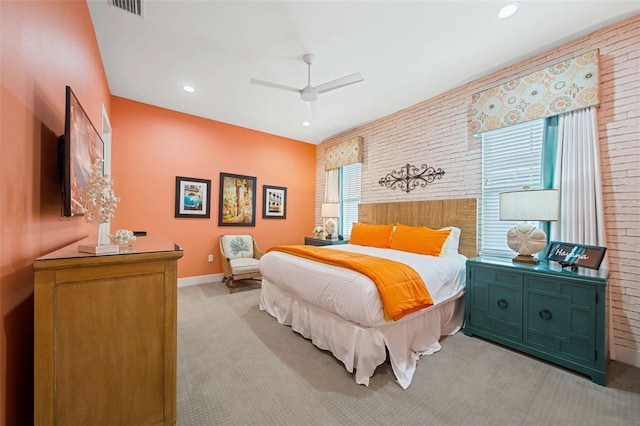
[362, 349]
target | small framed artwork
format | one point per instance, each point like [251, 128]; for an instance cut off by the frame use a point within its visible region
[574, 255]
[237, 205]
[193, 197]
[274, 202]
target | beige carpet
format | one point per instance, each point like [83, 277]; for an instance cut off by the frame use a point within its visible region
[238, 366]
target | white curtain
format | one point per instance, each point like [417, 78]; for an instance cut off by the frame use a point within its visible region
[577, 175]
[332, 186]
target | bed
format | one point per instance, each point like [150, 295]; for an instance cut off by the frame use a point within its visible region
[340, 310]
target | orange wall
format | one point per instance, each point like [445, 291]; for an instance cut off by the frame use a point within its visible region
[44, 46]
[151, 146]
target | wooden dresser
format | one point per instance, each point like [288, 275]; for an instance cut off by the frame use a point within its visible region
[105, 335]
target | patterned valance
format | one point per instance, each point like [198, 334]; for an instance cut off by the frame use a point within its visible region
[347, 152]
[563, 87]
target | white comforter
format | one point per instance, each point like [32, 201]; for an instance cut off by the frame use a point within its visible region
[352, 295]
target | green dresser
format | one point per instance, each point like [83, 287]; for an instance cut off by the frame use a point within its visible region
[554, 314]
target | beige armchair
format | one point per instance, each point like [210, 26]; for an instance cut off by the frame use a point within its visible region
[240, 259]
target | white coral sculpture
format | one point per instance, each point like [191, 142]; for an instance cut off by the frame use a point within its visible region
[99, 200]
[122, 236]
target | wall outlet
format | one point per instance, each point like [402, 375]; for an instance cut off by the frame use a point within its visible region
[210, 258]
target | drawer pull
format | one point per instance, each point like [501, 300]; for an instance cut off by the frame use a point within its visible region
[545, 314]
[502, 304]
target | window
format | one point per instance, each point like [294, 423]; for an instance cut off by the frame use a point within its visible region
[511, 160]
[349, 197]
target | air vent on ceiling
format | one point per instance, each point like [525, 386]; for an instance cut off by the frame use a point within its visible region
[131, 6]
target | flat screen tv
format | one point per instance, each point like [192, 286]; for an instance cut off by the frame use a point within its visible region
[78, 149]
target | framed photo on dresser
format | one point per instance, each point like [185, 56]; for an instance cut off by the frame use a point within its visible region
[574, 255]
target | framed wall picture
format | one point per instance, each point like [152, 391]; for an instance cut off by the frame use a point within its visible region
[574, 255]
[237, 205]
[193, 197]
[274, 202]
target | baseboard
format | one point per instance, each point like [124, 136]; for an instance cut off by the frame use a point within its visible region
[627, 356]
[202, 279]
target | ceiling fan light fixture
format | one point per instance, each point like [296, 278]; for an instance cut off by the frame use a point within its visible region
[508, 10]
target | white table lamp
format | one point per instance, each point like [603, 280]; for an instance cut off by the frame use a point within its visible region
[535, 205]
[330, 211]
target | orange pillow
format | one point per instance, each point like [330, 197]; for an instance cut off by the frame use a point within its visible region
[419, 239]
[365, 234]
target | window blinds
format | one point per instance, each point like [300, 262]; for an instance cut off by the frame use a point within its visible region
[511, 160]
[350, 189]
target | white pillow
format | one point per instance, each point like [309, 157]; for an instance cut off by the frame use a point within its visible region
[237, 246]
[452, 243]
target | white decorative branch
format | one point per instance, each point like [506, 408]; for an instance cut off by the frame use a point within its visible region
[99, 200]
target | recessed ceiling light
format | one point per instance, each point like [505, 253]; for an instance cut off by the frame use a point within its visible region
[508, 10]
[306, 123]
[189, 89]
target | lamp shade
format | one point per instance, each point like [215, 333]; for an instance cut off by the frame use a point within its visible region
[330, 209]
[541, 204]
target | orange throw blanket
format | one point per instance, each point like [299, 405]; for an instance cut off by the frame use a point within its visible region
[401, 288]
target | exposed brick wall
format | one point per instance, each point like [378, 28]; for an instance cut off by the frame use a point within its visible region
[435, 132]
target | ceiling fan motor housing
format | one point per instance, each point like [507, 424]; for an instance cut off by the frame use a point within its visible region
[307, 58]
[308, 94]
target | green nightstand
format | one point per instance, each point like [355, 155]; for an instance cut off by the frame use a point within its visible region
[310, 241]
[543, 310]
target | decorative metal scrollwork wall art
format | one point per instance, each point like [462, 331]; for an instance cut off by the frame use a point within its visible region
[411, 177]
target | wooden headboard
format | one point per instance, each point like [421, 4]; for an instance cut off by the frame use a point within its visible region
[461, 213]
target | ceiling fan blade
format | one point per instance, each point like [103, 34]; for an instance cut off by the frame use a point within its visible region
[313, 110]
[274, 85]
[340, 82]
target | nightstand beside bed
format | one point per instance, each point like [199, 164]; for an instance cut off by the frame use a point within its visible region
[543, 310]
[311, 241]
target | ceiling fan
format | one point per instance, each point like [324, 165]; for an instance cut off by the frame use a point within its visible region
[310, 93]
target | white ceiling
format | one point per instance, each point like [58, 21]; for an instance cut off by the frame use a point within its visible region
[407, 51]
